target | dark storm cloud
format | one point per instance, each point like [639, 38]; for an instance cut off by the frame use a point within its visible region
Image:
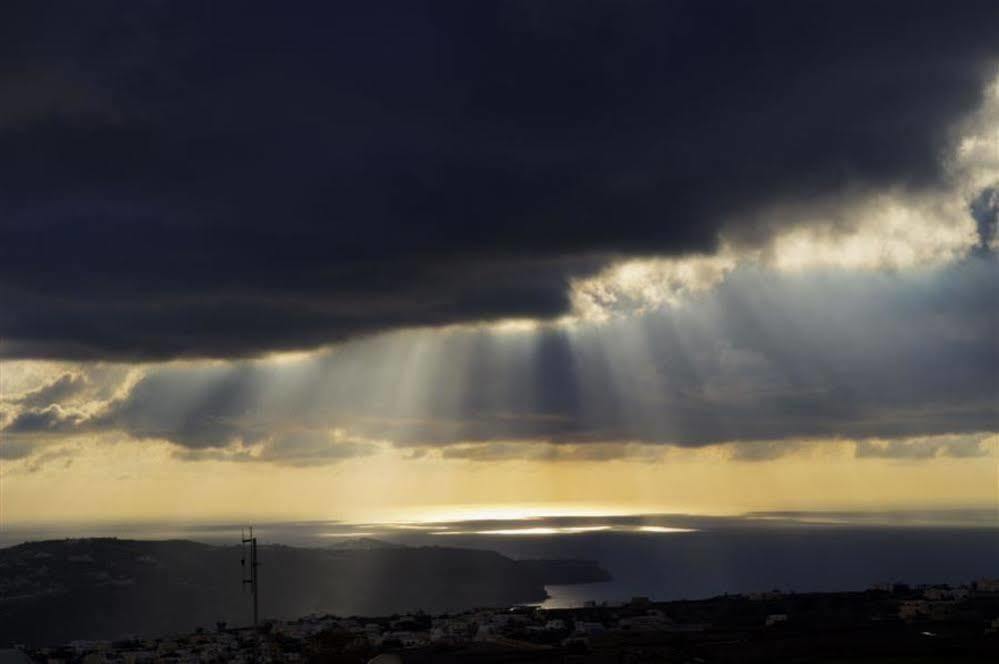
[224, 179]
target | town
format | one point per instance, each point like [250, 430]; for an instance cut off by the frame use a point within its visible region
[925, 623]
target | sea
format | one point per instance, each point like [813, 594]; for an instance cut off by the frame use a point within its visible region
[662, 557]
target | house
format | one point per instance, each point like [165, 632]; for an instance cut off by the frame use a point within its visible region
[912, 609]
[986, 585]
[939, 593]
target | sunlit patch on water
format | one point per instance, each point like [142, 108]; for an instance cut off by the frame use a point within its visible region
[567, 530]
[536, 530]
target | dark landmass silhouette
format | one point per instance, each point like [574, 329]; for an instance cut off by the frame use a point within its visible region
[60, 590]
[362, 544]
[894, 623]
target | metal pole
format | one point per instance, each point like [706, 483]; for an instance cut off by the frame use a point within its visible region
[252, 541]
[253, 569]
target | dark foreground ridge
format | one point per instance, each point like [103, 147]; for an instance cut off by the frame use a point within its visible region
[57, 591]
[885, 624]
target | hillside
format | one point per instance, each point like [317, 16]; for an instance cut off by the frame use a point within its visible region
[61, 590]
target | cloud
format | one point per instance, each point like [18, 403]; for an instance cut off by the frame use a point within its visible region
[32, 455]
[953, 446]
[204, 408]
[313, 448]
[59, 389]
[297, 448]
[546, 451]
[985, 210]
[764, 356]
[16, 449]
[763, 450]
[46, 94]
[885, 232]
[926, 448]
[51, 420]
[311, 185]
[48, 456]
[227, 455]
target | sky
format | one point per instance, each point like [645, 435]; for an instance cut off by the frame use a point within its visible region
[443, 260]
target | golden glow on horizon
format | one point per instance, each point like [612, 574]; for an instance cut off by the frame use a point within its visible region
[508, 512]
[129, 481]
[567, 530]
[534, 530]
[110, 477]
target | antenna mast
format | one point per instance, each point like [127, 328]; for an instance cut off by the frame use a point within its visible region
[252, 572]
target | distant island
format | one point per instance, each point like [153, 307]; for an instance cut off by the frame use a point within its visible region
[110, 588]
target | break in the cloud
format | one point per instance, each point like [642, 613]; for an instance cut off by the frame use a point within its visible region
[891, 230]
[191, 180]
